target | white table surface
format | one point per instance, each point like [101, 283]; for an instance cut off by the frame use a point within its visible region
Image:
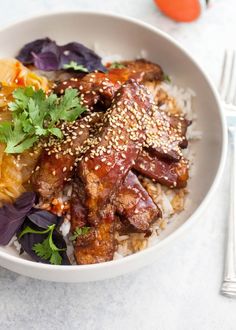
[180, 291]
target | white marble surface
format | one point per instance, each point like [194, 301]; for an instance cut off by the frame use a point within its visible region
[181, 290]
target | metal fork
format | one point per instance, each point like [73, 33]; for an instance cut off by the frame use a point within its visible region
[227, 89]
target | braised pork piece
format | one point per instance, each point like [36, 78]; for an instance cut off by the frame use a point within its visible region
[99, 244]
[134, 205]
[58, 158]
[170, 174]
[101, 87]
[100, 151]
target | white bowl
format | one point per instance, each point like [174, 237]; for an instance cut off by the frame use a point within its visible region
[129, 37]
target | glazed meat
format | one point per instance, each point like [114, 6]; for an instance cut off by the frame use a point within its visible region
[58, 158]
[93, 88]
[49, 176]
[133, 203]
[181, 124]
[77, 208]
[113, 150]
[165, 135]
[143, 70]
[99, 244]
[101, 87]
[170, 174]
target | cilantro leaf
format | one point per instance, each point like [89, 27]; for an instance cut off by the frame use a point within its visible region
[18, 148]
[5, 130]
[43, 249]
[117, 65]
[166, 78]
[55, 258]
[35, 115]
[79, 231]
[56, 132]
[46, 249]
[21, 96]
[69, 108]
[14, 137]
[40, 131]
[75, 66]
[26, 125]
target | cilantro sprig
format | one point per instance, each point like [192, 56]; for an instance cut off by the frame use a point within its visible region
[75, 66]
[79, 231]
[46, 250]
[36, 115]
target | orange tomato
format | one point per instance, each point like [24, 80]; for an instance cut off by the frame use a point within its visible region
[180, 10]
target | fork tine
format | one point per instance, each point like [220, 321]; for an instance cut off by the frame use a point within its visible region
[231, 82]
[223, 79]
[234, 96]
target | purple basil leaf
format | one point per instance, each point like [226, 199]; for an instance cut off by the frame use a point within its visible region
[51, 47]
[12, 216]
[60, 243]
[25, 54]
[43, 218]
[47, 61]
[27, 242]
[80, 54]
[46, 55]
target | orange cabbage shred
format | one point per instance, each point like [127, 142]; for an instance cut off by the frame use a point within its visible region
[15, 170]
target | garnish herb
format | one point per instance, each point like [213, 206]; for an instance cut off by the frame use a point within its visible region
[75, 66]
[12, 216]
[117, 65]
[46, 55]
[167, 78]
[34, 115]
[47, 249]
[79, 231]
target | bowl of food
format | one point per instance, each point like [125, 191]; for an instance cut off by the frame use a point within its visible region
[110, 145]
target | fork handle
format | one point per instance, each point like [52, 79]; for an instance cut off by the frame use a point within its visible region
[229, 283]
